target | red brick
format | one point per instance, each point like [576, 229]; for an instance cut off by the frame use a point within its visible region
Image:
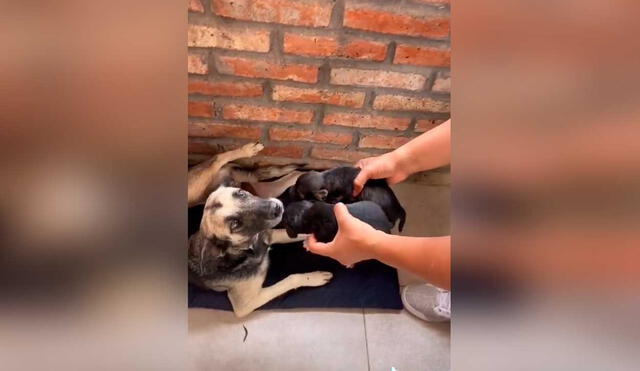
[203, 148]
[219, 130]
[320, 164]
[259, 113]
[200, 109]
[391, 20]
[364, 49]
[297, 135]
[228, 38]
[338, 154]
[426, 125]
[434, 2]
[283, 151]
[196, 6]
[197, 64]
[228, 89]
[311, 95]
[442, 83]
[359, 120]
[385, 79]
[404, 103]
[382, 141]
[422, 56]
[328, 46]
[315, 13]
[260, 68]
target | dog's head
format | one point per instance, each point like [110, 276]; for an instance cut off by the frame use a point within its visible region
[310, 186]
[294, 218]
[234, 215]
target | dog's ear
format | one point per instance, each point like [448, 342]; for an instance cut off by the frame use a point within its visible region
[321, 194]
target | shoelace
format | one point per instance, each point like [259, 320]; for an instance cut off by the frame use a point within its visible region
[444, 302]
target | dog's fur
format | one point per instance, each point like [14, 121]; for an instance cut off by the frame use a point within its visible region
[336, 185]
[207, 176]
[318, 218]
[229, 252]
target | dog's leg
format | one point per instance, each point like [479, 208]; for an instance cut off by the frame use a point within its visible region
[277, 187]
[271, 172]
[249, 296]
[281, 236]
[261, 174]
[202, 175]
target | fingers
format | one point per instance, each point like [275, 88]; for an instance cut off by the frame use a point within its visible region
[359, 182]
[342, 214]
[316, 247]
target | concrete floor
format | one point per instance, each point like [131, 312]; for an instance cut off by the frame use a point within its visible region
[350, 340]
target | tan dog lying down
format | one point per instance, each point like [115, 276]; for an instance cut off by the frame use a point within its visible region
[230, 251]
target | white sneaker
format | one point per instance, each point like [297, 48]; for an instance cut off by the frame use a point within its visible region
[427, 302]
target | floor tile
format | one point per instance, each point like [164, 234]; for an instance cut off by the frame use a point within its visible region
[277, 340]
[427, 209]
[398, 339]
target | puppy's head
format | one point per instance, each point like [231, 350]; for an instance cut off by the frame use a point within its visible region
[321, 213]
[322, 221]
[294, 218]
[310, 186]
[234, 215]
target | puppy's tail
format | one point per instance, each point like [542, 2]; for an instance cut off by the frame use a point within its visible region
[403, 217]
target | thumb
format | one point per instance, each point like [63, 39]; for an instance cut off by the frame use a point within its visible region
[316, 247]
[342, 214]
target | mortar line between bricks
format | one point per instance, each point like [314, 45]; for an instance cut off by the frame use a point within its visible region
[337, 15]
[431, 81]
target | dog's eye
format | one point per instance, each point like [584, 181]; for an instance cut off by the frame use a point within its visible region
[241, 194]
[234, 224]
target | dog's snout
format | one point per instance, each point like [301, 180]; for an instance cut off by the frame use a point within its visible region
[275, 210]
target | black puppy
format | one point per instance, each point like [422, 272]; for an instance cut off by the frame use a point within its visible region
[319, 218]
[287, 197]
[336, 185]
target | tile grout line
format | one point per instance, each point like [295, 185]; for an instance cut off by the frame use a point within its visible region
[366, 341]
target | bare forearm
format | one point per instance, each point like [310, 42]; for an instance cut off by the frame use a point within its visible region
[428, 257]
[428, 151]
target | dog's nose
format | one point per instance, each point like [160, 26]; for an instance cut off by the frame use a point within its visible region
[275, 210]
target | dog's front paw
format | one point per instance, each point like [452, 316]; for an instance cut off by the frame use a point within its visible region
[252, 149]
[315, 279]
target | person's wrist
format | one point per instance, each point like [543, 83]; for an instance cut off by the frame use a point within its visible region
[372, 243]
[399, 159]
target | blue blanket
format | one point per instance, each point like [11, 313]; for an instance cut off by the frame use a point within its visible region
[369, 284]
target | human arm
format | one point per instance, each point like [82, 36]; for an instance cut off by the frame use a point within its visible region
[427, 151]
[427, 257]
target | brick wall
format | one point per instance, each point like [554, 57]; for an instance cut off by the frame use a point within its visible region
[319, 82]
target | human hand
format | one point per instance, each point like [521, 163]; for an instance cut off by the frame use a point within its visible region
[384, 166]
[354, 242]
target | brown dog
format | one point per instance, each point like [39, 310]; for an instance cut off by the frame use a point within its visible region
[230, 251]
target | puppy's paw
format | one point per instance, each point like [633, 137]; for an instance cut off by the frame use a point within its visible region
[305, 240]
[252, 149]
[315, 279]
